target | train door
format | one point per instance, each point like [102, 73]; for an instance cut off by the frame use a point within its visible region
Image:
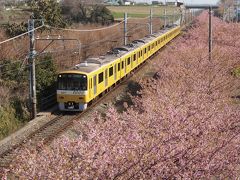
[122, 68]
[106, 77]
[90, 88]
[145, 53]
[138, 56]
[125, 66]
[132, 61]
[115, 72]
[95, 84]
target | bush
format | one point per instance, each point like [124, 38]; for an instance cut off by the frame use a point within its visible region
[11, 70]
[13, 97]
[101, 14]
[49, 10]
[16, 29]
[8, 122]
[45, 77]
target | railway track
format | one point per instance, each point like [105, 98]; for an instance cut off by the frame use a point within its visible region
[55, 127]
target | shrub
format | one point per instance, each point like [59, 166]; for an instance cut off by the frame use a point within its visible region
[16, 29]
[8, 122]
[100, 14]
[45, 77]
[11, 70]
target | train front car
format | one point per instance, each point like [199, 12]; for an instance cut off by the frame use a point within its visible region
[72, 91]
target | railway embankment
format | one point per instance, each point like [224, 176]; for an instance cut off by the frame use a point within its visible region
[21, 136]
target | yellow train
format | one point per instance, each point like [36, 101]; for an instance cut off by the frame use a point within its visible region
[82, 84]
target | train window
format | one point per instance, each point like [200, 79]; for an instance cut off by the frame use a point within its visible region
[128, 61]
[145, 50]
[134, 57]
[100, 78]
[122, 64]
[110, 71]
[156, 43]
[141, 53]
[72, 82]
[152, 46]
[149, 48]
[119, 68]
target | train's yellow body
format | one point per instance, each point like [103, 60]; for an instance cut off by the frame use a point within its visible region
[86, 81]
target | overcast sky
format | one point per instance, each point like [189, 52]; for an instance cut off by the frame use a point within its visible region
[186, 1]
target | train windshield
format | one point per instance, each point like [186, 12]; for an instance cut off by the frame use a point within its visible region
[72, 82]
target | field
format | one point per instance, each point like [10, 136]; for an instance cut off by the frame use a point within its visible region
[141, 11]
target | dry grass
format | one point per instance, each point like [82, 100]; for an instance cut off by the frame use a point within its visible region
[94, 43]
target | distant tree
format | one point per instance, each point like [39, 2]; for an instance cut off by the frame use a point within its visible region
[82, 11]
[100, 14]
[75, 10]
[49, 10]
[120, 2]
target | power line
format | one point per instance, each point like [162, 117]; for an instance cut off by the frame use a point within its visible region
[21, 35]
[85, 30]
[76, 30]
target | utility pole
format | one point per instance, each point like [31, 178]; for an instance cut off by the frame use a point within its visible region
[165, 15]
[210, 34]
[174, 16]
[210, 8]
[151, 25]
[237, 10]
[125, 28]
[32, 74]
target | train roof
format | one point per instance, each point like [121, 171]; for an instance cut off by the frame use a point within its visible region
[92, 64]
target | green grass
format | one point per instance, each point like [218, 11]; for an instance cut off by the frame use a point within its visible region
[118, 15]
[141, 11]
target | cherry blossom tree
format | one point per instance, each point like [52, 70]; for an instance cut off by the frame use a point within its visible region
[183, 124]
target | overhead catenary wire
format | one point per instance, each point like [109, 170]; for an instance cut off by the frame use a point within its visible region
[23, 34]
[22, 68]
[75, 30]
[85, 30]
